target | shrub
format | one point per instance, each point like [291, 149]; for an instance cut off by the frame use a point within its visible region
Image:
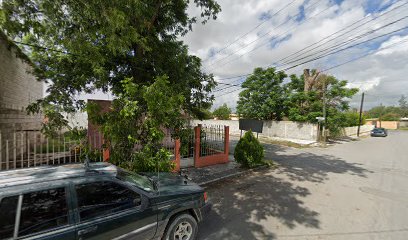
[249, 152]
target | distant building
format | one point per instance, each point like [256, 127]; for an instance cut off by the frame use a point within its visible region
[234, 116]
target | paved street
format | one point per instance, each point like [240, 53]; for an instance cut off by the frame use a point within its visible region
[354, 190]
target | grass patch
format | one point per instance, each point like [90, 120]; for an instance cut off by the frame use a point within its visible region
[283, 143]
[403, 128]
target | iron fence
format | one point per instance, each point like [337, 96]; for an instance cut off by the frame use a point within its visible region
[187, 142]
[22, 149]
[212, 138]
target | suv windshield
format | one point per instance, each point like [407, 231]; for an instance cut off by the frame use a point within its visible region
[138, 180]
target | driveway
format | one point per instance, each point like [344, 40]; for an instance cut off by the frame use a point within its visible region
[354, 190]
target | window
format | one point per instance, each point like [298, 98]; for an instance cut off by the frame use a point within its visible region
[43, 210]
[102, 198]
[8, 207]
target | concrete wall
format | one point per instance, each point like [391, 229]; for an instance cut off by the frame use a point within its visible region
[385, 124]
[352, 131]
[18, 88]
[281, 129]
[403, 124]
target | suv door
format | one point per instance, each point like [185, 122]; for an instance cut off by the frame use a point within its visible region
[110, 210]
[40, 214]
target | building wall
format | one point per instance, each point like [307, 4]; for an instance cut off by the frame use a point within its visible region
[281, 129]
[403, 123]
[384, 124]
[352, 131]
[18, 88]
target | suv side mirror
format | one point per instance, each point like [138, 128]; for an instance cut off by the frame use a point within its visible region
[137, 201]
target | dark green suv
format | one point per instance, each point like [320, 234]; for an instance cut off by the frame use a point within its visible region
[100, 201]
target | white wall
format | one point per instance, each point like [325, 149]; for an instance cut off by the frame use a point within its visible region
[352, 131]
[281, 129]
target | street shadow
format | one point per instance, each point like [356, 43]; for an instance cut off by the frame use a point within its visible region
[242, 205]
[310, 167]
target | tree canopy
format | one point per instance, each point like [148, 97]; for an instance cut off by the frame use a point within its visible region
[263, 95]
[222, 112]
[129, 48]
[266, 96]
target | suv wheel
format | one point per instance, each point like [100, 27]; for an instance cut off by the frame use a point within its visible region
[183, 227]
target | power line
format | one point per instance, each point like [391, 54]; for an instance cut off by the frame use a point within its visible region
[348, 41]
[262, 36]
[382, 14]
[346, 48]
[267, 42]
[341, 30]
[253, 29]
[349, 61]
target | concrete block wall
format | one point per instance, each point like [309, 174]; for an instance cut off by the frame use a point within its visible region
[281, 129]
[18, 87]
[352, 131]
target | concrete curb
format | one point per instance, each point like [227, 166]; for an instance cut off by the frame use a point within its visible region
[243, 172]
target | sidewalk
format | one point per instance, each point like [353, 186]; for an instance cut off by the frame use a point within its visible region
[206, 175]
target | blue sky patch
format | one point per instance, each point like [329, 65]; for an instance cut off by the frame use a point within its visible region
[274, 42]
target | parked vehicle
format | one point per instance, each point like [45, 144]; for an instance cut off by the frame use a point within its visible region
[379, 132]
[98, 201]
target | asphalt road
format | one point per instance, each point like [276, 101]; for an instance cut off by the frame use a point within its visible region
[354, 190]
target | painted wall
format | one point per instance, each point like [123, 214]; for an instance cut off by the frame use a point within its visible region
[352, 131]
[281, 129]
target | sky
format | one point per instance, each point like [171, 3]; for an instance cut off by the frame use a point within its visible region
[254, 33]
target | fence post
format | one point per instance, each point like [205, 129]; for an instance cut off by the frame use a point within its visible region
[177, 154]
[197, 144]
[226, 141]
[105, 150]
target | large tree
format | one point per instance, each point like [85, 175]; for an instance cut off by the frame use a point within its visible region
[130, 48]
[263, 95]
[222, 112]
[403, 104]
[306, 106]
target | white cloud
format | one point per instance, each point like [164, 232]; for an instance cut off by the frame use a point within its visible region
[380, 74]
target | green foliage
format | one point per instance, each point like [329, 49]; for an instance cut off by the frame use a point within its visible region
[390, 117]
[352, 118]
[148, 160]
[223, 112]
[403, 104]
[128, 124]
[249, 152]
[186, 136]
[380, 111]
[266, 97]
[206, 114]
[263, 95]
[129, 49]
[306, 106]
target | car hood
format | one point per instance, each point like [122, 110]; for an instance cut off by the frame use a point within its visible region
[174, 184]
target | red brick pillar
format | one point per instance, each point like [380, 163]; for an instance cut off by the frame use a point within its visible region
[226, 141]
[197, 144]
[105, 151]
[177, 154]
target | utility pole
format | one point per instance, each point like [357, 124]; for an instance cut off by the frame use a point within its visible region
[324, 111]
[361, 111]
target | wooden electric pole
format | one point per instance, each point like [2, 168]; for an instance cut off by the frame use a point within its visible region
[324, 111]
[361, 111]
